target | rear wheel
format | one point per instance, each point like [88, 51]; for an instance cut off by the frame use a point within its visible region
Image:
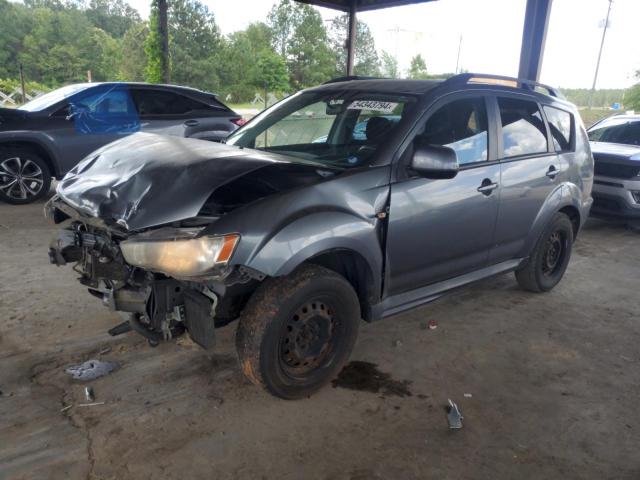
[296, 332]
[550, 257]
[24, 176]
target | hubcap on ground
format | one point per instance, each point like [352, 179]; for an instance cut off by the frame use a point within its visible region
[553, 253]
[20, 178]
[307, 338]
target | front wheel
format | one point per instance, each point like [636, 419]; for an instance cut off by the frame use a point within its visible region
[297, 332]
[550, 256]
[24, 176]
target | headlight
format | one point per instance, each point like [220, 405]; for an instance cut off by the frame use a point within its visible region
[178, 253]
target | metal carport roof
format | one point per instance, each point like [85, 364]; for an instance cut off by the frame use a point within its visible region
[534, 31]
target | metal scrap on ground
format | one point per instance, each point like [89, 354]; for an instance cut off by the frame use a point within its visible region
[91, 369]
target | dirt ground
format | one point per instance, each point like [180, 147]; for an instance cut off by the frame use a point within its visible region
[554, 383]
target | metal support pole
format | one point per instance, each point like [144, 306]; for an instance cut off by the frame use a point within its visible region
[595, 76]
[24, 93]
[164, 41]
[351, 38]
[534, 36]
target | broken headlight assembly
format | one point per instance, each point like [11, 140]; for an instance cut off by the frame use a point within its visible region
[179, 252]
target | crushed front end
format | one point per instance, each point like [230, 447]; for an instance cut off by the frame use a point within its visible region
[167, 280]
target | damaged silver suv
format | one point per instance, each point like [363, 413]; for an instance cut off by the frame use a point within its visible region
[357, 199]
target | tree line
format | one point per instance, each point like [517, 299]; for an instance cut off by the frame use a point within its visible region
[58, 41]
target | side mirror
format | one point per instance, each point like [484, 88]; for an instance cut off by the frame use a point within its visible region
[433, 161]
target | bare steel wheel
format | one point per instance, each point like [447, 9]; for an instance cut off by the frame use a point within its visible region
[307, 336]
[24, 177]
[297, 331]
[550, 256]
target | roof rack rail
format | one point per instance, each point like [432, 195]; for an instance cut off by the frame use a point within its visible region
[503, 80]
[348, 78]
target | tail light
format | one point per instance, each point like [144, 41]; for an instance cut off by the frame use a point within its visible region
[239, 121]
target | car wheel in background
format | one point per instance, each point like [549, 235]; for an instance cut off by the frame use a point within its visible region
[24, 176]
[297, 332]
[549, 258]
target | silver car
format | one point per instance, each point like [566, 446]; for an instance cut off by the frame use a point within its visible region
[615, 143]
[299, 240]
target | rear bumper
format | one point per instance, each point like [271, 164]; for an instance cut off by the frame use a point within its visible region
[616, 197]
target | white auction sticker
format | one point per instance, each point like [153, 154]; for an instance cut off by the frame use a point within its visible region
[373, 105]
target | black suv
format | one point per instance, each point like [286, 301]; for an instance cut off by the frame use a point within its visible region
[355, 199]
[48, 136]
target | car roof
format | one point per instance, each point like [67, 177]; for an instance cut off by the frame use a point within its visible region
[152, 85]
[381, 85]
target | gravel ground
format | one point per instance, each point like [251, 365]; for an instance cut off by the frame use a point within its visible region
[553, 382]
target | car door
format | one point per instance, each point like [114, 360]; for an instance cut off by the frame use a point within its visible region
[90, 119]
[170, 113]
[439, 229]
[531, 169]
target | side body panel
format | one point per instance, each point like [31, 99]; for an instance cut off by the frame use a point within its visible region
[338, 214]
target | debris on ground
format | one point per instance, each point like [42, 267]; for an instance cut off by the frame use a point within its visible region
[65, 408]
[397, 343]
[433, 324]
[104, 350]
[91, 369]
[89, 394]
[90, 404]
[454, 416]
[468, 395]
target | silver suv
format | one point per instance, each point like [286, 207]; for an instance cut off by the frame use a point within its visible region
[615, 142]
[301, 225]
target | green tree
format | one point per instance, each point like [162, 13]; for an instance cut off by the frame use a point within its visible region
[271, 72]
[115, 17]
[15, 23]
[632, 98]
[310, 59]
[417, 68]
[133, 59]
[153, 48]
[283, 20]
[389, 65]
[194, 41]
[367, 62]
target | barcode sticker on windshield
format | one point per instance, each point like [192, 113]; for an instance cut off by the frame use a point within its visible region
[373, 105]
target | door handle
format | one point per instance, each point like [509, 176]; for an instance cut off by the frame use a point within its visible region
[552, 172]
[487, 186]
[192, 123]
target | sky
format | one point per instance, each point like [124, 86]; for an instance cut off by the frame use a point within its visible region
[491, 33]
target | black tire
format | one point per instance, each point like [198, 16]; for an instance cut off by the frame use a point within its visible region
[312, 316]
[550, 256]
[24, 176]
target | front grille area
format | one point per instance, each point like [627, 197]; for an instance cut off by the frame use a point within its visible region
[615, 170]
[600, 203]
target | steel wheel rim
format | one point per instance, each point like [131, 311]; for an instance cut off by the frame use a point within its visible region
[308, 338]
[554, 252]
[20, 178]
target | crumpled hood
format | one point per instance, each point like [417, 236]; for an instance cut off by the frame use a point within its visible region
[145, 180]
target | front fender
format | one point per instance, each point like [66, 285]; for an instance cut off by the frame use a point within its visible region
[313, 234]
[40, 139]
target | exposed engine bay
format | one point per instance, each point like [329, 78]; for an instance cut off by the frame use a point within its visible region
[157, 306]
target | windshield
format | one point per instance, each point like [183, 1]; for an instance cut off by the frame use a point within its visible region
[341, 129]
[51, 98]
[616, 130]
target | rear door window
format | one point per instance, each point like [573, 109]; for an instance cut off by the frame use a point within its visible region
[561, 126]
[158, 102]
[523, 129]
